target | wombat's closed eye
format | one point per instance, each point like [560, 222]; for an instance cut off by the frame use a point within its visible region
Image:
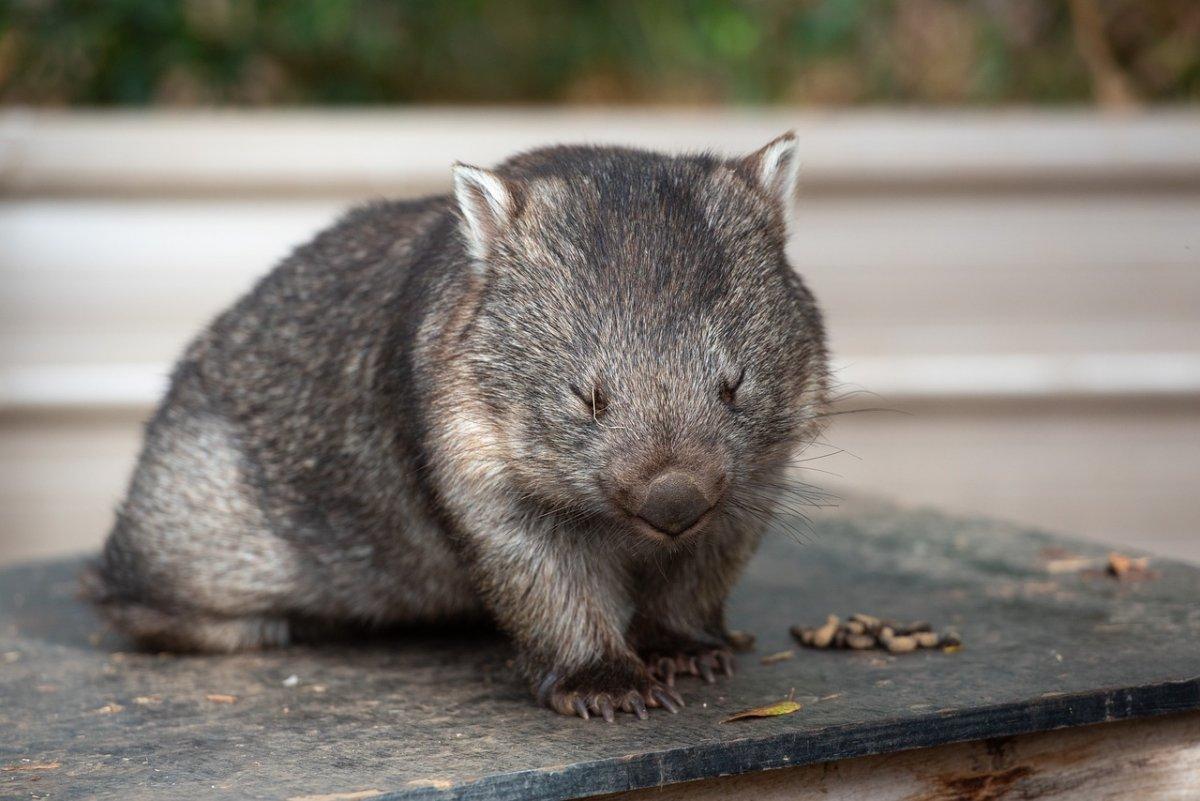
[593, 398]
[729, 388]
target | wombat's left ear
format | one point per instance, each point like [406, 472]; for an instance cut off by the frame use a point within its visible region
[774, 168]
[486, 203]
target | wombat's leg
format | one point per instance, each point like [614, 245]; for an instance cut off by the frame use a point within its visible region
[679, 624]
[563, 601]
[154, 628]
[192, 562]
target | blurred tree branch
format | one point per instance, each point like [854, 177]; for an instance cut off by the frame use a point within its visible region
[1110, 85]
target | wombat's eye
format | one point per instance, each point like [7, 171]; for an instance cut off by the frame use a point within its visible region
[729, 388]
[593, 399]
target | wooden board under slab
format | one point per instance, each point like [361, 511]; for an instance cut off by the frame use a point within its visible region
[1154, 759]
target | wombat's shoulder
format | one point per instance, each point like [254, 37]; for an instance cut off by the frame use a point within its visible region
[321, 325]
[350, 269]
[381, 233]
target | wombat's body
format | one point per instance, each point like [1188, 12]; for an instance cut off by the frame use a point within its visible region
[564, 402]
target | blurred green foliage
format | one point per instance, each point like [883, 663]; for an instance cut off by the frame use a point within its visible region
[827, 52]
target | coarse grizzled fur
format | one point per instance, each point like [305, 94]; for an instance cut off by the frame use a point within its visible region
[434, 410]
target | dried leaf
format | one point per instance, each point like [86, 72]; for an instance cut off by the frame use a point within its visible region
[218, 698]
[108, 709]
[1120, 565]
[785, 707]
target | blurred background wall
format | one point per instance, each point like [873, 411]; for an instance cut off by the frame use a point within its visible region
[1000, 210]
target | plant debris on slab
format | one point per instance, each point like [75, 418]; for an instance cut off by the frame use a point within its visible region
[1127, 567]
[741, 641]
[862, 632]
[785, 707]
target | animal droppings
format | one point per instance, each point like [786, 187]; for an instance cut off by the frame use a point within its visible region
[864, 632]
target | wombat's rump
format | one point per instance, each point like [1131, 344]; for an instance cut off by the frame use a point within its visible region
[564, 398]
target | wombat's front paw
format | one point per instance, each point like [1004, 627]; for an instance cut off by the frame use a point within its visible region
[604, 691]
[703, 661]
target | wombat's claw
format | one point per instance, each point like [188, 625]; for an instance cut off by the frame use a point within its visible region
[702, 664]
[580, 708]
[606, 704]
[606, 709]
[668, 698]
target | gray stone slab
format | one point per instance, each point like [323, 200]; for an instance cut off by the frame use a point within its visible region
[438, 713]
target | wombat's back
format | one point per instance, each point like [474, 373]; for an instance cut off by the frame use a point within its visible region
[276, 480]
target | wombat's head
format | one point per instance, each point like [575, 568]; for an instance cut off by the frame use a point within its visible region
[648, 354]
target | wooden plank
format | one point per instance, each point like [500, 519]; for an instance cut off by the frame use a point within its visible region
[109, 283]
[1122, 473]
[439, 713]
[61, 477]
[1063, 274]
[1150, 760]
[889, 380]
[167, 152]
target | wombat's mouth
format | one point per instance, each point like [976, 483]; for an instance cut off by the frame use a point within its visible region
[663, 535]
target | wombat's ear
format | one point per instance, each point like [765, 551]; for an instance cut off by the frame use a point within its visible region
[774, 168]
[486, 203]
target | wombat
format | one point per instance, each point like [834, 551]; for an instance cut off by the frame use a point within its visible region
[563, 398]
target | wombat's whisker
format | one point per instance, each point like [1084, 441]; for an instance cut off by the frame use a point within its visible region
[842, 412]
[766, 511]
[789, 528]
[842, 392]
[798, 461]
[820, 470]
[794, 490]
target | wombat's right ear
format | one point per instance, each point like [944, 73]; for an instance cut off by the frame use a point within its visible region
[774, 167]
[486, 204]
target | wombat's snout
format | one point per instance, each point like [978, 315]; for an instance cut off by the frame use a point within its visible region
[675, 500]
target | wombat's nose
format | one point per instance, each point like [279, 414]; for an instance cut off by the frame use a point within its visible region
[674, 501]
